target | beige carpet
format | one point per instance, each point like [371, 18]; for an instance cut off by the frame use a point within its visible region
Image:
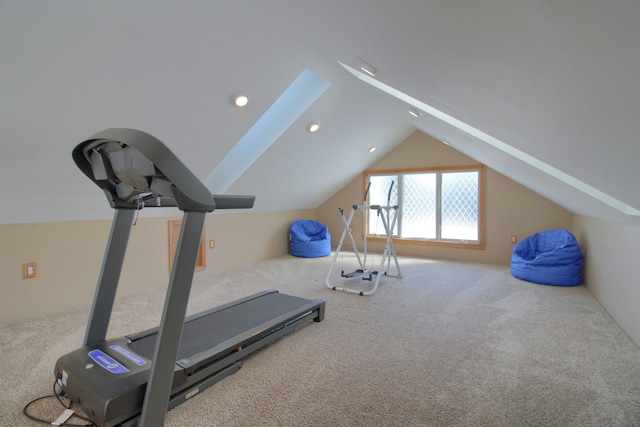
[449, 344]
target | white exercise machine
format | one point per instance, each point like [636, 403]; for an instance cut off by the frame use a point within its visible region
[384, 215]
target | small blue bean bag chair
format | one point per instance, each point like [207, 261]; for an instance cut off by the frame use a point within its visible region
[309, 239]
[550, 257]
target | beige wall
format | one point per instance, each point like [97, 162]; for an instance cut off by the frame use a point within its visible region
[68, 259]
[69, 256]
[510, 207]
[243, 239]
[609, 269]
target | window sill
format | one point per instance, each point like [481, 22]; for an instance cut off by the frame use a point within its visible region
[434, 243]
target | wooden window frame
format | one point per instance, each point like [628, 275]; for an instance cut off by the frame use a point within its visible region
[478, 245]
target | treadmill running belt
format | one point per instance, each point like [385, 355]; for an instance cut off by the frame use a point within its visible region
[204, 332]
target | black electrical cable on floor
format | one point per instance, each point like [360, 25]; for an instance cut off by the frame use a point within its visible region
[59, 399]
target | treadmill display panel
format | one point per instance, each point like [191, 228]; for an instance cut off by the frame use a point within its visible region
[129, 355]
[107, 362]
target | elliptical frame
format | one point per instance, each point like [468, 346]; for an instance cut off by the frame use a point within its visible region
[384, 213]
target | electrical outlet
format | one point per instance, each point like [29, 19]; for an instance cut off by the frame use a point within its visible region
[212, 244]
[514, 239]
[29, 270]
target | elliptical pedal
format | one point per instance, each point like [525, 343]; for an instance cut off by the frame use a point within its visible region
[356, 273]
[370, 276]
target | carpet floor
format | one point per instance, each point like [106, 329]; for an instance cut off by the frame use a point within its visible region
[447, 344]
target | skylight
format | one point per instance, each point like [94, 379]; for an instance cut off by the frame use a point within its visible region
[500, 145]
[294, 101]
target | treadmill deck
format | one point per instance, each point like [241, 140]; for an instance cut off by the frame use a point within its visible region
[220, 324]
[108, 380]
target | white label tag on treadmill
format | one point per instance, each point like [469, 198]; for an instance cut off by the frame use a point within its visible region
[126, 353]
[107, 362]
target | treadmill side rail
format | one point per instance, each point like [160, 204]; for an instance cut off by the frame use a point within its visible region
[240, 343]
[321, 309]
[196, 389]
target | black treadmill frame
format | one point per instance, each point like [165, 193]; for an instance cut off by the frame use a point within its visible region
[178, 187]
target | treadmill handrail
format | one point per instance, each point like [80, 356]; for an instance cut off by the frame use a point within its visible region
[233, 201]
[221, 201]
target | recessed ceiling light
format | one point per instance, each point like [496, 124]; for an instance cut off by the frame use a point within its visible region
[369, 69]
[239, 99]
[415, 112]
[372, 149]
[313, 127]
[272, 124]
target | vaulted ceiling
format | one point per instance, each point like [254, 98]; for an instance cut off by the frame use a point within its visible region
[545, 92]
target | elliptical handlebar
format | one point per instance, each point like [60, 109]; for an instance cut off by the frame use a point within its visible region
[366, 193]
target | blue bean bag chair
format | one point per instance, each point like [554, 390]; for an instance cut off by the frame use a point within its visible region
[550, 257]
[309, 239]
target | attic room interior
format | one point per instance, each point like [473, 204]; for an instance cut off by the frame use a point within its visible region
[540, 97]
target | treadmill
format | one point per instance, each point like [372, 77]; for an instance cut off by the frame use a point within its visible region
[133, 380]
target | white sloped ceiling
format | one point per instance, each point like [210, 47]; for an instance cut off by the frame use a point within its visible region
[555, 81]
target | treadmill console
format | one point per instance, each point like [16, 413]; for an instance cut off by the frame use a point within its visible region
[136, 170]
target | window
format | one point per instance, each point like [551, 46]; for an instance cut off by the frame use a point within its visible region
[443, 206]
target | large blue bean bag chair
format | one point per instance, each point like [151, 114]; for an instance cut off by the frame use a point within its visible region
[309, 239]
[550, 257]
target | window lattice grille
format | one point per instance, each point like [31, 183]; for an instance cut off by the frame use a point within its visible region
[379, 195]
[434, 205]
[460, 206]
[419, 206]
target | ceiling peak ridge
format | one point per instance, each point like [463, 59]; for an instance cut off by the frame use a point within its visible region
[591, 191]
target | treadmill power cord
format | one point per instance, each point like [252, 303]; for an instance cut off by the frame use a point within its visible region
[58, 397]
